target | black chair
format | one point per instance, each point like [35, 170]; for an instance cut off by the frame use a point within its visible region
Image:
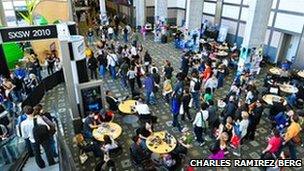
[78, 125]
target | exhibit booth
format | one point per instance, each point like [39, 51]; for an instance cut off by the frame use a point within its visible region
[71, 48]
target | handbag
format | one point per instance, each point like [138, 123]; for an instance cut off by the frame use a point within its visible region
[181, 109]
[191, 103]
[83, 157]
[297, 139]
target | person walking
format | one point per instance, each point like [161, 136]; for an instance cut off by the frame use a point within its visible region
[102, 60]
[195, 86]
[149, 87]
[199, 123]
[112, 61]
[131, 74]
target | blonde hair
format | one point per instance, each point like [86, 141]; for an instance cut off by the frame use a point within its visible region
[245, 115]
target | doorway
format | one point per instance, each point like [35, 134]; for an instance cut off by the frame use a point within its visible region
[288, 47]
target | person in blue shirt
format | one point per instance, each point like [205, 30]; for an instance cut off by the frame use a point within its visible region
[149, 86]
[20, 72]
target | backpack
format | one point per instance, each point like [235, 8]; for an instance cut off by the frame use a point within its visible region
[40, 132]
[197, 85]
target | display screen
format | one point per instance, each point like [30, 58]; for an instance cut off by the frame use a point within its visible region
[91, 99]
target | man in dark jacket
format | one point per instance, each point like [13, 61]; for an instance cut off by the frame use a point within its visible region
[230, 108]
[93, 65]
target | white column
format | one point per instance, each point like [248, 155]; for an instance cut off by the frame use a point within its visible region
[140, 6]
[103, 11]
[256, 24]
[194, 14]
[218, 12]
[161, 11]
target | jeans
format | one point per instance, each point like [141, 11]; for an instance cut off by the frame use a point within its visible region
[149, 97]
[90, 40]
[102, 71]
[176, 123]
[53, 146]
[196, 99]
[110, 36]
[138, 80]
[93, 73]
[123, 80]
[292, 149]
[125, 36]
[113, 72]
[132, 84]
[198, 131]
[17, 95]
[29, 147]
[48, 151]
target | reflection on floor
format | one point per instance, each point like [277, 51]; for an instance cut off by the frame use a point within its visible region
[56, 100]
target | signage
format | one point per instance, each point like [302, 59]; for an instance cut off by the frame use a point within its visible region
[15, 34]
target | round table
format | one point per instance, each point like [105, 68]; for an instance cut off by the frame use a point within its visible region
[156, 143]
[110, 128]
[269, 98]
[126, 106]
[287, 88]
[301, 74]
[279, 72]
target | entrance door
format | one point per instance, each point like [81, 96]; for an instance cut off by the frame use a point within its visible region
[288, 48]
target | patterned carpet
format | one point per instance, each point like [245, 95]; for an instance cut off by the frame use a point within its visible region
[56, 100]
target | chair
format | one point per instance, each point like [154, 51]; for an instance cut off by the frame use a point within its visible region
[78, 126]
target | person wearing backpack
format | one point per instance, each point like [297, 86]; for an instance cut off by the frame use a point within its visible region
[200, 123]
[37, 130]
[195, 86]
[26, 111]
[112, 62]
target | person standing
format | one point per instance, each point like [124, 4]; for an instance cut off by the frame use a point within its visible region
[185, 64]
[37, 130]
[290, 137]
[110, 32]
[139, 74]
[175, 109]
[112, 61]
[147, 61]
[90, 36]
[199, 123]
[195, 86]
[102, 60]
[123, 70]
[51, 64]
[168, 69]
[93, 65]
[131, 74]
[186, 101]
[149, 86]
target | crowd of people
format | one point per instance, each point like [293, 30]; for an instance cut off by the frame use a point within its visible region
[190, 94]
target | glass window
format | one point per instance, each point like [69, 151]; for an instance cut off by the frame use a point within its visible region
[209, 8]
[231, 11]
[233, 1]
[292, 5]
[245, 13]
[8, 5]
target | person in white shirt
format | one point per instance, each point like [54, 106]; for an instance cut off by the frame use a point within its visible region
[200, 122]
[211, 83]
[133, 51]
[195, 86]
[143, 111]
[131, 74]
[27, 127]
[112, 60]
[243, 125]
[110, 32]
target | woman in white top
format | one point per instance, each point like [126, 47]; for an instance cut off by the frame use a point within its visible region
[199, 123]
[131, 74]
[243, 125]
[211, 83]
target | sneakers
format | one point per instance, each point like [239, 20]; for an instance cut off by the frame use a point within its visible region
[236, 154]
[202, 144]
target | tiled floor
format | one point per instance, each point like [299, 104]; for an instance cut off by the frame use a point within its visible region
[56, 100]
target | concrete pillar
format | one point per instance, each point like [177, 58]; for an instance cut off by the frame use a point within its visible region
[194, 14]
[299, 60]
[2, 15]
[140, 6]
[161, 11]
[218, 12]
[256, 24]
[103, 11]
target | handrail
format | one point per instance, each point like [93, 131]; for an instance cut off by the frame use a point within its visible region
[66, 162]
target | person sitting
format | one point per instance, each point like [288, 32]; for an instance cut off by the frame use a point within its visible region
[112, 101]
[109, 146]
[91, 122]
[106, 116]
[138, 156]
[144, 132]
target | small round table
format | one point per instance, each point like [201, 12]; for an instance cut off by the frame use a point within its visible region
[156, 143]
[270, 98]
[110, 128]
[287, 88]
[126, 107]
[279, 72]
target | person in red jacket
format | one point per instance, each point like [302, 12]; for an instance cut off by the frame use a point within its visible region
[207, 72]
